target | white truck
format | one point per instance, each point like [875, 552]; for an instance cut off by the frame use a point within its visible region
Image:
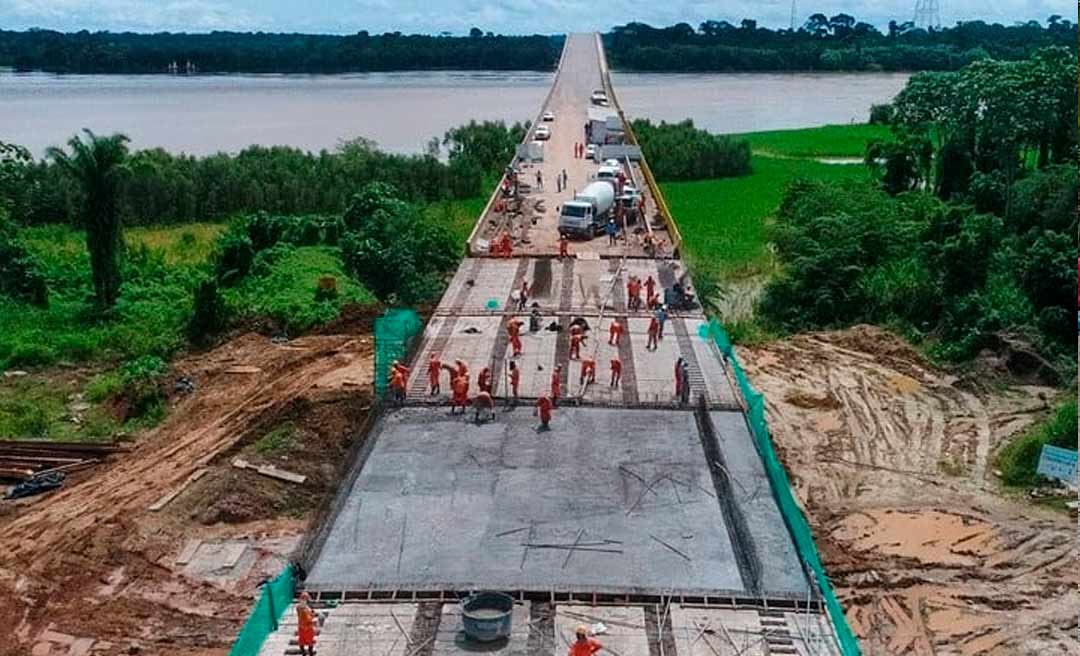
[586, 215]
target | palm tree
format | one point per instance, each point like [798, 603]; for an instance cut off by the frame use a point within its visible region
[97, 164]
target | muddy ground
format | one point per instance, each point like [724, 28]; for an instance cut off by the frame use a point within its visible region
[892, 460]
[92, 565]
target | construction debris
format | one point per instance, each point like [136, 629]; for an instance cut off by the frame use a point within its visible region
[270, 470]
[165, 500]
[23, 460]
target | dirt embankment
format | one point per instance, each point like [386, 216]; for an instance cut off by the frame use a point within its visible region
[92, 562]
[892, 461]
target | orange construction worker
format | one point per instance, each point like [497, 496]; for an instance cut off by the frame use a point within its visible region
[616, 372]
[483, 402]
[543, 407]
[398, 376]
[506, 245]
[576, 340]
[306, 624]
[513, 329]
[588, 370]
[556, 384]
[483, 381]
[654, 334]
[633, 293]
[650, 287]
[433, 369]
[460, 398]
[515, 379]
[564, 247]
[615, 333]
[583, 644]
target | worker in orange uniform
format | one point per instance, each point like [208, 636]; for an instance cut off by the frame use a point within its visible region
[556, 384]
[633, 293]
[543, 407]
[583, 644]
[483, 381]
[460, 397]
[434, 367]
[460, 369]
[564, 247]
[306, 624]
[650, 287]
[615, 333]
[515, 379]
[398, 376]
[506, 245]
[654, 334]
[577, 338]
[513, 329]
[483, 402]
[616, 372]
[588, 370]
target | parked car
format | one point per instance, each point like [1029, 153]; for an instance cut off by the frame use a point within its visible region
[590, 151]
[542, 132]
[548, 116]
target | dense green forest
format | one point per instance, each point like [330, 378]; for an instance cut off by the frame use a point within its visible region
[679, 152]
[159, 187]
[822, 43]
[244, 52]
[968, 230]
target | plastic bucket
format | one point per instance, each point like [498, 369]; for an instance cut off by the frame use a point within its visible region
[487, 616]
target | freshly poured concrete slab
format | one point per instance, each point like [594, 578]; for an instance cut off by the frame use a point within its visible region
[351, 629]
[625, 633]
[451, 639]
[729, 632]
[754, 498]
[442, 503]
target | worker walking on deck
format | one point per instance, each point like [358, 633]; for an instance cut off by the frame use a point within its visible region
[684, 376]
[616, 372]
[661, 317]
[483, 381]
[650, 287]
[543, 408]
[654, 334]
[523, 295]
[434, 368]
[556, 384]
[539, 180]
[588, 370]
[633, 293]
[612, 230]
[513, 329]
[615, 333]
[306, 625]
[515, 380]
[565, 179]
[564, 247]
[583, 644]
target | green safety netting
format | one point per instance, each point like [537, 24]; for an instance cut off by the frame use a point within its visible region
[275, 599]
[394, 332]
[800, 529]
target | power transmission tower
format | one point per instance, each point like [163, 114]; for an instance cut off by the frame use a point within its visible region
[928, 14]
[793, 14]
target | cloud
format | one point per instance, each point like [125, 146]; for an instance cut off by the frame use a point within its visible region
[457, 16]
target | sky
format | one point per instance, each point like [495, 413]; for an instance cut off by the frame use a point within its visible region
[457, 16]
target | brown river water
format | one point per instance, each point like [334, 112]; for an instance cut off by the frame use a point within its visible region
[400, 111]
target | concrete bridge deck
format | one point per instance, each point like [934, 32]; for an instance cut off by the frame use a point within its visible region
[629, 495]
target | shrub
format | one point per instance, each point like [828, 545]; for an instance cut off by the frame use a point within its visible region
[21, 277]
[881, 114]
[209, 315]
[679, 151]
[235, 255]
[1018, 459]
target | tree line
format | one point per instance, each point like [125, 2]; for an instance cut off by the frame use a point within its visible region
[823, 43]
[970, 231]
[159, 187]
[679, 152]
[245, 52]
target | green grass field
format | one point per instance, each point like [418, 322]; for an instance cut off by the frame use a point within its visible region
[824, 142]
[458, 216]
[723, 221]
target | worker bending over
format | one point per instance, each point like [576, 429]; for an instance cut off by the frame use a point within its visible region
[483, 381]
[615, 333]
[543, 408]
[460, 397]
[513, 329]
[588, 370]
[485, 405]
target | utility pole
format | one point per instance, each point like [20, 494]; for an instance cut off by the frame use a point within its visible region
[793, 13]
[928, 14]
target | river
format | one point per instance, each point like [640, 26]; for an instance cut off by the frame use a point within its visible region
[400, 111]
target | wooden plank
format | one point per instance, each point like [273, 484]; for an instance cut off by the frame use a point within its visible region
[165, 500]
[270, 470]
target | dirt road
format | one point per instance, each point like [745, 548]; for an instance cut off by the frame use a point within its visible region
[893, 462]
[93, 562]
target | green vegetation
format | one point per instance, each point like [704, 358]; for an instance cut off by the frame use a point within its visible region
[244, 52]
[723, 222]
[829, 141]
[680, 152]
[48, 409]
[281, 438]
[828, 43]
[1018, 459]
[971, 230]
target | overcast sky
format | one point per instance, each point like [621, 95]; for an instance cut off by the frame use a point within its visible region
[457, 16]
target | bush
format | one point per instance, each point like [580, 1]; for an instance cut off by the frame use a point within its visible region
[679, 151]
[21, 277]
[142, 386]
[881, 114]
[209, 315]
[235, 256]
[1018, 459]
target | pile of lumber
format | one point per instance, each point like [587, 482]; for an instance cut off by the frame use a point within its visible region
[22, 460]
